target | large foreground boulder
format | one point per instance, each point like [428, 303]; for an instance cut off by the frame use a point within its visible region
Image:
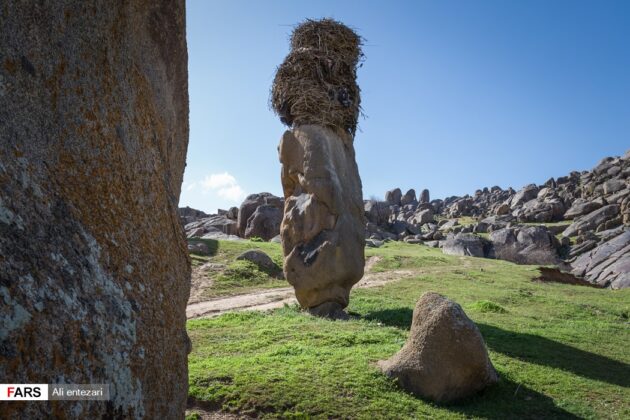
[94, 272]
[445, 357]
[323, 226]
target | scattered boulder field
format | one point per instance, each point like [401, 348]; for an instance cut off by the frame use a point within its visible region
[579, 223]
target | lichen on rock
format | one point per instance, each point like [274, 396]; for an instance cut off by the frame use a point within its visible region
[93, 139]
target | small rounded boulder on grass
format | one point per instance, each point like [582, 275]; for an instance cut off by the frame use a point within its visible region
[445, 358]
[261, 260]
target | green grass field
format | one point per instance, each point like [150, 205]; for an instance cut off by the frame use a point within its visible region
[561, 351]
[232, 277]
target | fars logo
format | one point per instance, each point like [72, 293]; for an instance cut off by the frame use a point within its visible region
[23, 392]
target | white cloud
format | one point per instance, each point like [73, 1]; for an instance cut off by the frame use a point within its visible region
[216, 181]
[223, 184]
[234, 193]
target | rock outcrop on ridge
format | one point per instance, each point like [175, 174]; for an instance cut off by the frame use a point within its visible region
[565, 222]
[259, 216]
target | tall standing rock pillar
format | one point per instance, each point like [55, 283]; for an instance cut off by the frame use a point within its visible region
[94, 273]
[315, 93]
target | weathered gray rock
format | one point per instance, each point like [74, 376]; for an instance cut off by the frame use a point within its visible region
[618, 197]
[608, 264]
[603, 165]
[409, 198]
[536, 210]
[445, 357]
[502, 209]
[425, 198]
[400, 227]
[527, 245]
[189, 215]
[198, 248]
[374, 243]
[581, 207]
[613, 185]
[377, 212]
[232, 213]
[212, 224]
[249, 206]
[422, 217]
[462, 207]
[262, 260]
[220, 236]
[94, 273]
[323, 226]
[264, 222]
[592, 220]
[466, 244]
[625, 210]
[393, 197]
[446, 225]
[527, 193]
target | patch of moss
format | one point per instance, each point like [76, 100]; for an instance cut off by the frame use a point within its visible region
[487, 306]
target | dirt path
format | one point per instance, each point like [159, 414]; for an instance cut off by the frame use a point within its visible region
[276, 298]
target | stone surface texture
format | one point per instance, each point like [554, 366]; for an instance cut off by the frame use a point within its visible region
[323, 226]
[445, 357]
[608, 264]
[94, 272]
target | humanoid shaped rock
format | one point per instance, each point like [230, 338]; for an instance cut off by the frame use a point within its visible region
[323, 226]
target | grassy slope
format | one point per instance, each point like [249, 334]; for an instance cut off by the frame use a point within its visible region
[561, 351]
[232, 277]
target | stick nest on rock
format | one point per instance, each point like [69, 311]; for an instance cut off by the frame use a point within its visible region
[316, 83]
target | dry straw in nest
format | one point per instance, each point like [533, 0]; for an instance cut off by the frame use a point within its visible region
[316, 83]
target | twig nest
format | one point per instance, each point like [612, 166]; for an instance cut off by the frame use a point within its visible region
[316, 83]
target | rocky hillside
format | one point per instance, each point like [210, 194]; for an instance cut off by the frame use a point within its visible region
[579, 222]
[259, 216]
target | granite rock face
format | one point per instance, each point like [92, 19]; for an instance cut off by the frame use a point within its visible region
[608, 264]
[566, 222]
[526, 245]
[94, 272]
[323, 226]
[213, 224]
[249, 207]
[466, 245]
[264, 222]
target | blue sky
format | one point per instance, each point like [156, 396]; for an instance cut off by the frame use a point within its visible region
[458, 94]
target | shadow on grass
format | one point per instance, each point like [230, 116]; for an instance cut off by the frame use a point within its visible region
[543, 351]
[531, 348]
[399, 317]
[510, 400]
